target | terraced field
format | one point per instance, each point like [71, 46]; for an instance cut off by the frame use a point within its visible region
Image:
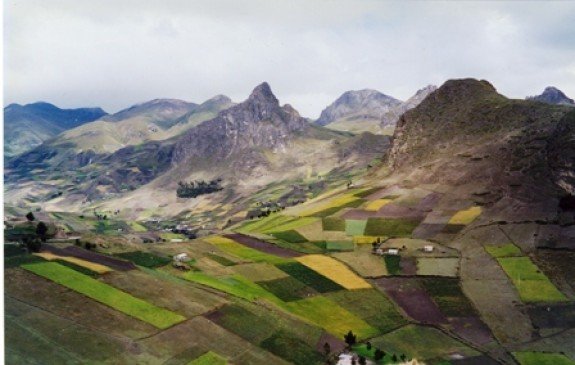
[334, 270]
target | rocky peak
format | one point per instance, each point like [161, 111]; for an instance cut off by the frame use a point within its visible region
[552, 95]
[392, 116]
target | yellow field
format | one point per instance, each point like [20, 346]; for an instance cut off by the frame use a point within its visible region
[465, 216]
[337, 201]
[375, 205]
[100, 269]
[219, 240]
[334, 270]
[365, 240]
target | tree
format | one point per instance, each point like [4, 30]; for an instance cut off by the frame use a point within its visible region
[350, 338]
[368, 345]
[403, 357]
[33, 244]
[362, 360]
[41, 230]
[394, 358]
[326, 349]
[30, 216]
[378, 355]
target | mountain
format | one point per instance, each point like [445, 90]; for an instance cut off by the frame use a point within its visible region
[552, 95]
[27, 126]
[357, 111]
[390, 118]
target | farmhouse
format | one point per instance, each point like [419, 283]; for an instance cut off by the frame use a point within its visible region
[393, 251]
[428, 248]
[181, 257]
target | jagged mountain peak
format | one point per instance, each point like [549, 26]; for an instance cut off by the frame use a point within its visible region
[552, 95]
[263, 93]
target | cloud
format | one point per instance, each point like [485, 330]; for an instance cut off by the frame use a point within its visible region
[117, 53]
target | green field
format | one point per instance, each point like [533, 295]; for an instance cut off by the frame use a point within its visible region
[291, 348]
[448, 296]
[220, 259]
[259, 271]
[437, 266]
[145, 259]
[508, 250]
[333, 224]
[339, 246]
[332, 317]
[392, 264]
[243, 252]
[105, 294]
[393, 227]
[287, 289]
[290, 236]
[371, 306]
[542, 358]
[209, 358]
[355, 227]
[263, 224]
[309, 277]
[292, 224]
[532, 284]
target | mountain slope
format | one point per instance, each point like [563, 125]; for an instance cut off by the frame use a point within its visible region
[552, 95]
[390, 118]
[27, 126]
[357, 111]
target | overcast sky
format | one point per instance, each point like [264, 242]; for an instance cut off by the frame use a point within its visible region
[117, 53]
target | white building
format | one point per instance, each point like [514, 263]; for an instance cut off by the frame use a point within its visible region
[181, 257]
[393, 251]
[428, 248]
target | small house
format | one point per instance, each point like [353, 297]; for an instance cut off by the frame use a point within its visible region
[181, 257]
[379, 251]
[176, 240]
[393, 251]
[428, 248]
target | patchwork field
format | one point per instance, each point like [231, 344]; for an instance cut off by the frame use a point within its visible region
[355, 227]
[448, 266]
[209, 358]
[287, 289]
[229, 246]
[145, 259]
[542, 358]
[466, 216]
[392, 227]
[310, 277]
[375, 205]
[334, 270]
[100, 269]
[260, 271]
[508, 250]
[106, 294]
[264, 246]
[364, 263]
[339, 246]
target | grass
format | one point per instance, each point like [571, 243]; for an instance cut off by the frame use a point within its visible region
[251, 325]
[466, 216]
[209, 358]
[259, 271]
[145, 259]
[291, 348]
[371, 306]
[333, 224]
[290, 236]
[309, 277]
[532, 284]
[137, 227]
[105, 294]
[375, 205]
[390, 227]
[448, 296]
[436, 266]
[542, 358]
[287, 289]
[16, 261]
[332, 317]
[334, 270]
[508, 250]
[220, 260]
[243, 252]
[100, 269]
[355, 227]
[339, 246]
[392, 264]
[421, 342]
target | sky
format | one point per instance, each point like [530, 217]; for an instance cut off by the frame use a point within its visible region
[117, 53]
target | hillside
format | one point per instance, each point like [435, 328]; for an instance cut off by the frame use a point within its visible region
[28, 126]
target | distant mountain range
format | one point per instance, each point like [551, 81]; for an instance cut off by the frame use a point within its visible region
[552, 95]
[28, 126]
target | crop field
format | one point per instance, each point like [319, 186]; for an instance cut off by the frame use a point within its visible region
[264, 246]
[375, 205]
[367, 240]
[220, 260]
[254, 326]
[331, 317]
[339, 246]
[355, 227]
[241, 251]
[137, 227]
[74, 251]
[100, 269]
[421, 342]
[542, 358]
[106, 294]
[145, 259]
[289, 225]
[447, 294]
[330, 206]
[465, 217]
[291, 348]
[532, 284]
[362, 262]
[287, 289]
[315, 232]
[508, 250]
[371, 306]
[393, 264]
[259, 271]
[437, 266]
[334, 270]
[266, 223]
[309, 277]
[290, 236]
[333, 224]
[209, 358]
[394, 227]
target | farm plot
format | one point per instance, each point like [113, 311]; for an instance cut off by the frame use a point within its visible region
[294, 223]
[375, 205]
[73, 251]
[100, 269]
[532, 285]
[291, 348]
[355, 227]
[333, 224]
[309, 277]
[265, 223]
[209, 358]
[447, 294]
[331, 317]
[371, 306]
[553, 315]
[315, 232]
[259, 271]
[394, 227]
[330, 206]
[106, 294]
[263, 246]
[542, 358]
[339, 246]
[422, 343]
[466, 216]
[290, 236]
[435, 266]
[471, 329]
[508, 250]
[363, 262]
[414, 300]
[287, 289]
[241, 251]
[334, 270]
[145, 259]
